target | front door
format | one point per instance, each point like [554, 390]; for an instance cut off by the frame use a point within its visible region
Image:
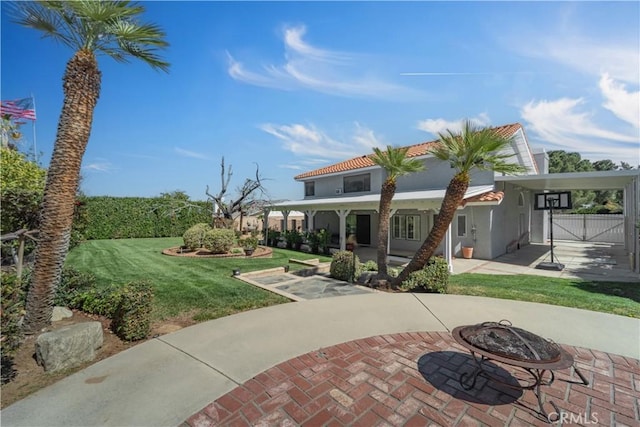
[363, 229]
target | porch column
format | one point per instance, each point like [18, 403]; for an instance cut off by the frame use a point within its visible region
[392, 212]
[285, 215]
[342, 214]
[447, 248]
[265, 224]
[310, 220]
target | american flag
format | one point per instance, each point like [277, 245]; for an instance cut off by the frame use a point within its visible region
[19, 109]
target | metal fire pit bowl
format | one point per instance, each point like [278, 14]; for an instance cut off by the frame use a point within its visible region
[504, 343]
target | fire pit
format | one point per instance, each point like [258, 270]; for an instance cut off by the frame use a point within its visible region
[504, 343]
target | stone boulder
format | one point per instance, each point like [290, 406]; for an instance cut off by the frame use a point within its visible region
[69, 346]
[60, 313]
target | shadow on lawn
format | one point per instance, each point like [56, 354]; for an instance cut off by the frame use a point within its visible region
[618, 289]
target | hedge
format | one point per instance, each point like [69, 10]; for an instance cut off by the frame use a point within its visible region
[138, 217]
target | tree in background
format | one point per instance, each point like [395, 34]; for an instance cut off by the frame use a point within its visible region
[471, 149]
[395, 163]
[21, 188]
[588, 201]
[246, 202]
[87, 27]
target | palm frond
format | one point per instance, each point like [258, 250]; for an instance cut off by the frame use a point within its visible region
[108, 27]
[475, 148]
[395, 161]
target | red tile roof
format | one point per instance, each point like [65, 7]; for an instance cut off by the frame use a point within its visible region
[489, 196]
[416, 150]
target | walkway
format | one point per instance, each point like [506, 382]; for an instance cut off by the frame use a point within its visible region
[166, 380]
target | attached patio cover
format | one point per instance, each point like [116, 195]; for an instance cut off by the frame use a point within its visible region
[627, 180]
[426, 199]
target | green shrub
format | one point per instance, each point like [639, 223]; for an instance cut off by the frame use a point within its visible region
[219, 240]
[434, 277]
[12, 309]
[194, 236]
[72, 282]
[345, 266]
[249, 242]
[139, 217]
[132, 317]
[370, 266]
[97, 301]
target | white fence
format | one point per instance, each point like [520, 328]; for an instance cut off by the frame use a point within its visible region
[589, 228]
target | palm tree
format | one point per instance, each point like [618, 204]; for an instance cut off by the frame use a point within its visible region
[88, 27]
[473, 148]
[396, 164]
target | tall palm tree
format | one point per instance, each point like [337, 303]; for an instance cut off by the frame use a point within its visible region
[396, 164]
[473, 148]
[88, 27]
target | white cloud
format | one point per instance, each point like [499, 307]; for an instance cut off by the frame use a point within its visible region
[437, 126]
[312, 68]
[564, 124]
[589, 50]
[294, 167]
[309, 141]
[192, 154]
[623, 104]
[99, 166]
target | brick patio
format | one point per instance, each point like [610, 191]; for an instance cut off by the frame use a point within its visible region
[411, 379]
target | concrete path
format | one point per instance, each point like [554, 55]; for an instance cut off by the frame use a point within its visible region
[164, 381]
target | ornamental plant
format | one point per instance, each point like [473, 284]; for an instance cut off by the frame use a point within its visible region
[219, 240]
[194, 236]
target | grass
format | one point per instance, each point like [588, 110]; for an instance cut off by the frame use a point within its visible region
[609, 297]
[202, 288]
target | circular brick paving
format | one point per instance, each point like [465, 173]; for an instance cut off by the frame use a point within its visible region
[411, 379]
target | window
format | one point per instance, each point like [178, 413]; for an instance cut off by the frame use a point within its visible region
[356, 183]
[521, 200]
[462, 225]
[310, 188]
[405, 227]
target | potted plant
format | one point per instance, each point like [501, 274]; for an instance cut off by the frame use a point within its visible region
[351, 242]
[467, 252]
[249, 244]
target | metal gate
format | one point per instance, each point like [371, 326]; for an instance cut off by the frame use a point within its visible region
[589, 227]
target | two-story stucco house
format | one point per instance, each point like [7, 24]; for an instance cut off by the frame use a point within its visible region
[495, 217]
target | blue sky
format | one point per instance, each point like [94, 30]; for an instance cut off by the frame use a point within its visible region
[293, 86]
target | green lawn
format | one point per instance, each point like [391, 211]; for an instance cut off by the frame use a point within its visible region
[203, 288]
[610, 297]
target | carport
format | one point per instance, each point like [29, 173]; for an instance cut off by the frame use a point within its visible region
[626, 180]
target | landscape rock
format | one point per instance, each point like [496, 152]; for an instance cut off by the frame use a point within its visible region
[366, 277]
[69, 346]
[60, 313]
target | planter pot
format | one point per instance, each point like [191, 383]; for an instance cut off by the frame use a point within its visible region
[350, 247]
[467, 252]
[248, 251]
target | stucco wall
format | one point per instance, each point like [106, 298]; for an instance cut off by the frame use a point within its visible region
[326, 186]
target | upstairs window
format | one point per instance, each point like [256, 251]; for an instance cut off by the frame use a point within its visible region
[309, 188]
[357, 183]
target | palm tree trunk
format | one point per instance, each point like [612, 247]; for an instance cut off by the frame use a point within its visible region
[81, 85]
[386, 195]
[452, 199]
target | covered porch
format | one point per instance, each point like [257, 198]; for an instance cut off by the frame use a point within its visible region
[423, 202]
[582, 260]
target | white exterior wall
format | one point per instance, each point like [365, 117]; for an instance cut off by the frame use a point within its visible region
[326, 186]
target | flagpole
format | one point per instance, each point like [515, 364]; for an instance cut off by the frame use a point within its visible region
[33, 123]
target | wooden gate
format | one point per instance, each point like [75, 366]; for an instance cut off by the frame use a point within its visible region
[589, 227]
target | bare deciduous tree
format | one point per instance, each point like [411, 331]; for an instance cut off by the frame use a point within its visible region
[247, 197]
